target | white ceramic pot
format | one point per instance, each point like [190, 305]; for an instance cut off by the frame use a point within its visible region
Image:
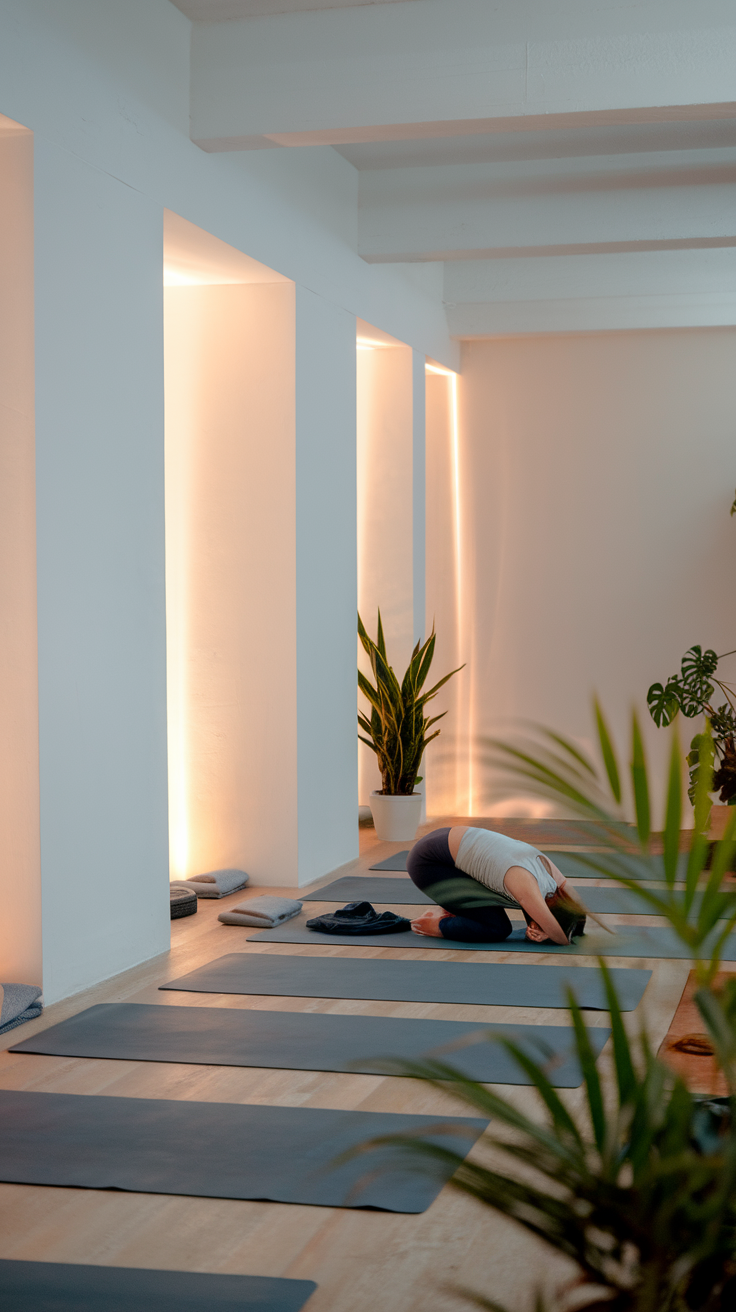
[396, 818]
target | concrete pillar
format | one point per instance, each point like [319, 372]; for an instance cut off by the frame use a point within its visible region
[101, 611]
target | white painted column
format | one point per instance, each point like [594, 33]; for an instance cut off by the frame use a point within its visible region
[20, 872]
[391, 509]
[101, 619]
[326, 597]
[446, 766]
[419, 495]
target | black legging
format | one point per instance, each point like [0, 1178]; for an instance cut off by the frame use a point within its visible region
[429, 863]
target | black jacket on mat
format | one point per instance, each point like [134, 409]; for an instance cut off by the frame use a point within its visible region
[359, 918]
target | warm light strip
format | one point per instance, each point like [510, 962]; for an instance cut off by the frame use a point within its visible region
[444, 373]
[459, 569]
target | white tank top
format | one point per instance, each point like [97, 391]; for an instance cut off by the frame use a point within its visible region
[487, 856]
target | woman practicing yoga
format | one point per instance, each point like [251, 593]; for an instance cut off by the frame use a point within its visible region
[474, 874]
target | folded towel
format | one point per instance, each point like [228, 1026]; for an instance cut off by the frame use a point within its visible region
[217, 883]
[20, 1002]
[266, 912]
[359, 918]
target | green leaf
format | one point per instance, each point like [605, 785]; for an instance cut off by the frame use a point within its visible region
[625, 1073]
[703, 779]
[587, 1060]
[380, 641]
[664, 702]
[608, 753]
[640, 784]
[673, 814]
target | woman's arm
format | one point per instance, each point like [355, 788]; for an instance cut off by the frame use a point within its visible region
[522, 886]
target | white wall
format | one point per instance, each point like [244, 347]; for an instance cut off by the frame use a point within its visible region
[100, 533]
[20, 865]
[230, 551]
[260, 467]
[326, 597]
[597, 476]
[391, 508]
[105, 90]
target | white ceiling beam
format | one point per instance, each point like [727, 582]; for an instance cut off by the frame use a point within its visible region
[390, 71]
[548, 206]
[591, 293]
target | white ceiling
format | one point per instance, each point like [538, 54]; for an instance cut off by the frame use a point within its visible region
[552, 143]
[222, 11]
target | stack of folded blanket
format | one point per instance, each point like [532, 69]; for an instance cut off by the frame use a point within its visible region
[359, 918]
[217, 883]
[18, 1003]
[265, 912]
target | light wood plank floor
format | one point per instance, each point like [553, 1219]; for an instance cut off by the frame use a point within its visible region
[360, 1260]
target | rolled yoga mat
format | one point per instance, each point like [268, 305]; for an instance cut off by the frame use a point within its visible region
[389, 980]
[401, 892]
[635, 942]
[66, 1287]
[221, 1150]
[306, 1041]
[571, 864]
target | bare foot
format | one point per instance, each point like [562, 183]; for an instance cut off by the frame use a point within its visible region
[429, 922]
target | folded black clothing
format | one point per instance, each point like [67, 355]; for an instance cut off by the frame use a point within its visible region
[359, 918]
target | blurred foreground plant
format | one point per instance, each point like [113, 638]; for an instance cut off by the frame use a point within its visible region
[638, 1189]
[700, 910]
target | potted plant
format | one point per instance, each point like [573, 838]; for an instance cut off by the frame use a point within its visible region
[692, 693]
[397, 732]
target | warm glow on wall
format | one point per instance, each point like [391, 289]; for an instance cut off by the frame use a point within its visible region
[457, 613]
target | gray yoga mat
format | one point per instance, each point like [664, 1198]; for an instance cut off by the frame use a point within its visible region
[401, 892]
[389, 980]
[221, 1150]
[304, 1041]
[574, 866]
[570, 863]
[368, 888]
[66, 1287]
[636, 942]
[395, 862]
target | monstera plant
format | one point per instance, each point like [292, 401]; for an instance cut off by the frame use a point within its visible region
[693, 692]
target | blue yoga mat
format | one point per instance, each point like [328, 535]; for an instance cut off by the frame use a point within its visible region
[635, 942]
[67, 1287]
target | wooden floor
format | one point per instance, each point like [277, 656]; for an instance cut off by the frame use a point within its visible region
[361, 1260]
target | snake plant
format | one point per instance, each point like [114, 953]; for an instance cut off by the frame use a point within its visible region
[397, 728]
